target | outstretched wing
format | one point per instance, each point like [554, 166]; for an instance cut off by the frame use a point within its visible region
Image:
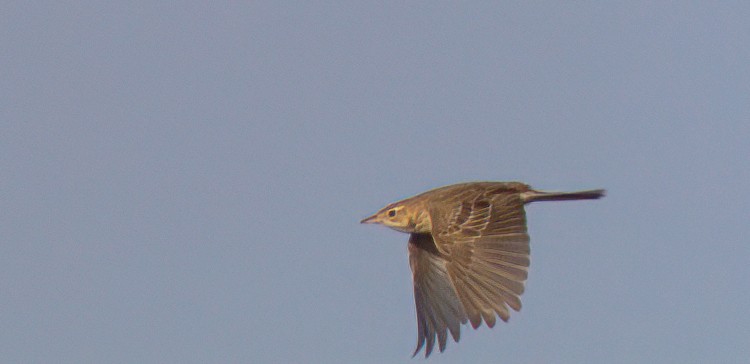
[438, 308]
[485, 245]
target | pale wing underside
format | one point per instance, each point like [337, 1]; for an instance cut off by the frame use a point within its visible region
[476, 265]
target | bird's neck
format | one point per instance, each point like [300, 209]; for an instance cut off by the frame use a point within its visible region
[422, 222]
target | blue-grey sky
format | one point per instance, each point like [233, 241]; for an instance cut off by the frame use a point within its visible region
[182, 183]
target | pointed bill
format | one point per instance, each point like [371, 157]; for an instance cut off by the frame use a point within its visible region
[370, 220]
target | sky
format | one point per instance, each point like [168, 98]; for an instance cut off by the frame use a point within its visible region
[183, 182]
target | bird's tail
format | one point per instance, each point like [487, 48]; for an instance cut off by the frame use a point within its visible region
[532, 195]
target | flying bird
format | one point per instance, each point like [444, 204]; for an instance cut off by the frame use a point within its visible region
[468, 252]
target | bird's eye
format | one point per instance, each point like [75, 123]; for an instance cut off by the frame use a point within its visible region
[392, 213]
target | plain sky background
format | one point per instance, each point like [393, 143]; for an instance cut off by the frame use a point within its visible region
[183, 182]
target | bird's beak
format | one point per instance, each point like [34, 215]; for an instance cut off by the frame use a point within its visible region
[370, 220]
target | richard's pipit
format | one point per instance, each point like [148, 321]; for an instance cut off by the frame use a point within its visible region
[468, 252]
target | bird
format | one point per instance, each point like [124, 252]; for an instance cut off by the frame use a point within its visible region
[468, 252]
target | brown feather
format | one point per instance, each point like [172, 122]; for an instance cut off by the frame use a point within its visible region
[468, 252]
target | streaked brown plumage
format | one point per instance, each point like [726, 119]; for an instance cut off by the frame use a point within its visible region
[468, 252]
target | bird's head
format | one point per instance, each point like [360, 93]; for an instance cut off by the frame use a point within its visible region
[396, 216]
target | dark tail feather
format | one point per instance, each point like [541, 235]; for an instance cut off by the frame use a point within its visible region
[532, 195]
